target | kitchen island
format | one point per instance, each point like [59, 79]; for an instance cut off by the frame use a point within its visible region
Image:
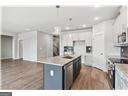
[59, 72]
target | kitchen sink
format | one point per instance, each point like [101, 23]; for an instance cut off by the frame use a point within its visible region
[68, 57]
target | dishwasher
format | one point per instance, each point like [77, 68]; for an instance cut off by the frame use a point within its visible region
[68, 80]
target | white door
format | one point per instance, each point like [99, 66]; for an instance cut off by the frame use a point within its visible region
[79, 49]
[98, 51]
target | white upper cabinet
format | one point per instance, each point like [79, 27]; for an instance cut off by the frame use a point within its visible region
[70, 40]
[81, 36]
[75, 36]
[64, 39]
[120, 24]
[67, 38]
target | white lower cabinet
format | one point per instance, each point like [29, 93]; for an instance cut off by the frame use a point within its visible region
[121, 82]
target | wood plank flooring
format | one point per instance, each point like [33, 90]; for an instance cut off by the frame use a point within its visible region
[20, 75]
[91, 79]
[26, 75]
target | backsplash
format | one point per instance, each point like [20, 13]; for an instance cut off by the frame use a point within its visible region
[125, 52]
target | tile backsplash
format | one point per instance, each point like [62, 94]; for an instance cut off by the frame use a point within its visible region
[124, 53]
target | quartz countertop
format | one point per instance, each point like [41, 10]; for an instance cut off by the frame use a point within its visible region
[123, 68]
[58, 60]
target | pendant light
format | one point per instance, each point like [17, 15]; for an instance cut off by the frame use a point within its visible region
[57, 29]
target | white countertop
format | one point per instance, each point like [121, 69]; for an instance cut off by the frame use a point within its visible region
[123, 68]
[57, 60]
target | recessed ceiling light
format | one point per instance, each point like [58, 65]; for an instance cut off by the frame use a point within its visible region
[70, 35]
[27, 29]
[84, 25]
[96, 6]
[96, 18]
[57, 30]
[67, 28]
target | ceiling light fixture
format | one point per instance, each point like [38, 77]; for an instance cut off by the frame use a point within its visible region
[96, 6]
[70, 35]
[57, 29]
[27, 29]
[67, 28]
[96, 18]
[84, 25]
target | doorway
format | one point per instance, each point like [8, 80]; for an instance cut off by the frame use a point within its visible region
[20, 49]
[6, 47]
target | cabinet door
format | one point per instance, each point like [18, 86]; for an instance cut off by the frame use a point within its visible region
[53, 77]
[70, 39]
[75, 36]
[115, 32]
[120, 23]
[64, 41]
[81, 36]
[124, 16]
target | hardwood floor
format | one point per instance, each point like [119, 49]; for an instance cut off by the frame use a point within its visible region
[21, 74]
[26, 75]
[91, 79]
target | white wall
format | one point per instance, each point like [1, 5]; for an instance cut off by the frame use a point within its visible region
[44, 45]
[110, 49]
[106, 44]
[15, 47]
[0, 19]
[29, 46]
[36, 45]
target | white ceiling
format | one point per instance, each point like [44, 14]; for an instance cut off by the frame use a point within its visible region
[20, 19]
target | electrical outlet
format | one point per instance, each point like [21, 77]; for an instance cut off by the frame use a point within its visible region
[51, 73]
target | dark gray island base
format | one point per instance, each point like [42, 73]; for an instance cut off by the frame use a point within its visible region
[59, 72]
[5, 93]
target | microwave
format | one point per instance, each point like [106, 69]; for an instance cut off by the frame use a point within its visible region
[122, 37]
